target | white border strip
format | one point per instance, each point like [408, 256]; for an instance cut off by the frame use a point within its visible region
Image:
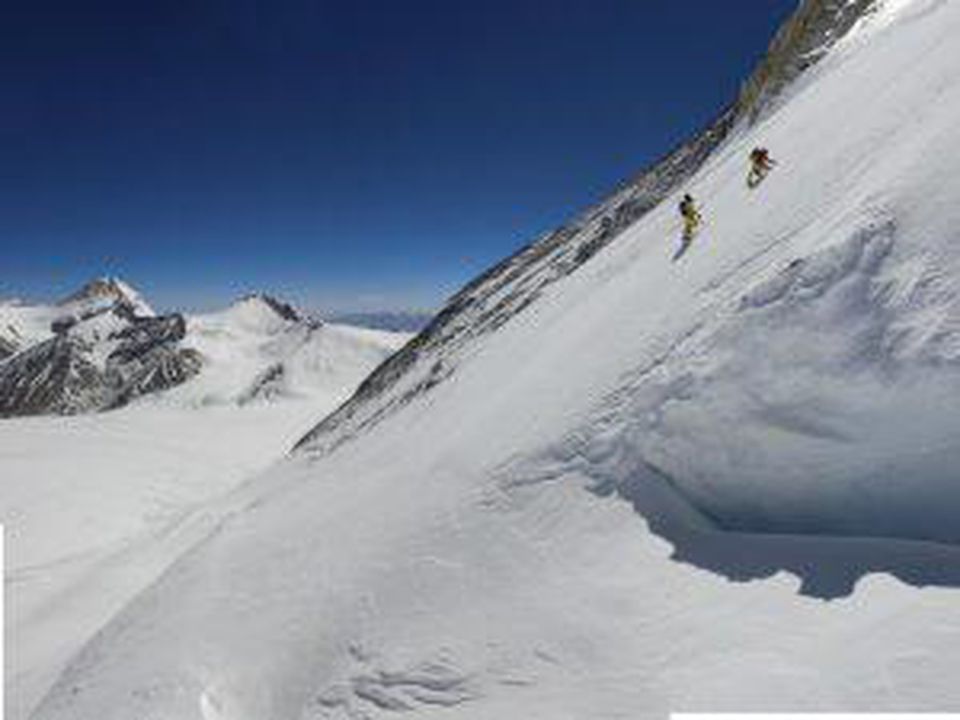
[815, 716]
[3, 635]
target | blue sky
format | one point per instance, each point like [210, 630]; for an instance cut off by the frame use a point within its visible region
[348, 155]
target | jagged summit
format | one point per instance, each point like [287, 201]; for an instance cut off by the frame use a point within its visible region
[284, 310]
[261, 312]
[111, 290]
[95, 350]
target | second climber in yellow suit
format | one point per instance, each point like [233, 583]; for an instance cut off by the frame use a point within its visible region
[691, 217]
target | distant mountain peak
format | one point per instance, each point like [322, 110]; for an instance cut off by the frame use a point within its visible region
[283, 310]
[110, 289]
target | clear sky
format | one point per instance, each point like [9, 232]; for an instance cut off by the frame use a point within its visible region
[347, 155]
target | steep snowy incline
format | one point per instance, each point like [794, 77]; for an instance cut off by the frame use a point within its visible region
[514, 285]
[784, 384]
[793, 371]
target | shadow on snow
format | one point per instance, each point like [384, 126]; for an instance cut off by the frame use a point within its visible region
[828, 566]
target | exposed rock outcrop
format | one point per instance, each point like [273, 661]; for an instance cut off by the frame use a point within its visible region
[107, 348]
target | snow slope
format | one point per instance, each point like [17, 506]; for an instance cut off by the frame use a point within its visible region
[96, 506]
[778, 398]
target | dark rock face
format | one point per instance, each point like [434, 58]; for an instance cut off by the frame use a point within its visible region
[146, 334]
[159, 367]
[496, 296]
[51, 377]
[59, 375]
[803, 41]
[284, 310]
[267, 385]
[7, 348]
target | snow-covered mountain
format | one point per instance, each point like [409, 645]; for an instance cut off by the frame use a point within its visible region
[104, 346]
[489, 527]
[98, 349]
[23, 324]
[261, 348]
[107, 291]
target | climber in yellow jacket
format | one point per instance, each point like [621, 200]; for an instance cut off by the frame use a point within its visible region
[691, 217]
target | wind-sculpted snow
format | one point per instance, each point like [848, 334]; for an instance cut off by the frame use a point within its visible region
[803, 424]
[804, 280]
[437, 683]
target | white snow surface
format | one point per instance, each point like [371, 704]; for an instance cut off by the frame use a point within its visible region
[96, 506]
[247, 341]
[782, 395]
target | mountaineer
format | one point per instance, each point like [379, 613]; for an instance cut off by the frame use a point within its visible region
[691, 217]
[760, 164]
